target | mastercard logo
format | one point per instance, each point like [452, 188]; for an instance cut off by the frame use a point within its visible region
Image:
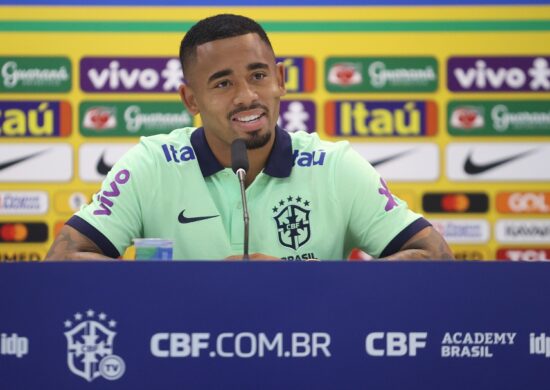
[14, 232]
[455, 202]
[458, 203]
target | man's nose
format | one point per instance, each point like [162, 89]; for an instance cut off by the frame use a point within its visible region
[245, 94]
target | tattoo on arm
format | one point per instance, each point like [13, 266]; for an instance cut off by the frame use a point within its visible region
[424, 245]
[72, 245]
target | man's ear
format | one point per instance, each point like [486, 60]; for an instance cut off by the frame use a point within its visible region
[281, 77]
[188, 98]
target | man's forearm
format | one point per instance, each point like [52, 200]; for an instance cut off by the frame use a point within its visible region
[427, 244]
[71, 245]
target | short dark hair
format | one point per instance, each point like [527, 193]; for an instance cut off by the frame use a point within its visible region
[218, 27]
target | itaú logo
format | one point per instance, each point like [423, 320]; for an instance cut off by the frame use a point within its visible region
[396, 344]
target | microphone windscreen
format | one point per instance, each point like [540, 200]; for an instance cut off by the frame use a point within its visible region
[239, 158]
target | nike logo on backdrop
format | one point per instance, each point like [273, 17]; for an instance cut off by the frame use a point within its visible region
[102, 167]
[389, 158]
[472, 168]
[184, 219]
[7, 164]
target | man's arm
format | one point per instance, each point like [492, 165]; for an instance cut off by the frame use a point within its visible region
[427, 244]
[70, 244]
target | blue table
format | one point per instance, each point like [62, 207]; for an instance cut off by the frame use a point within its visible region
[331, 325]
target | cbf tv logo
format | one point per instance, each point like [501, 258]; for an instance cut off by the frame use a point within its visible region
[90, 347]
[292, 218]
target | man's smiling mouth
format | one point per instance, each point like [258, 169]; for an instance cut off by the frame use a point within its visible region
[248, 118]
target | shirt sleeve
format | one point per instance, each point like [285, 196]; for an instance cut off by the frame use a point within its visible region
[114, 216]
[378, 222]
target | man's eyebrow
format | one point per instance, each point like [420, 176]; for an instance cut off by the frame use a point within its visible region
[220, 74]
[257, 65]
[227, 72]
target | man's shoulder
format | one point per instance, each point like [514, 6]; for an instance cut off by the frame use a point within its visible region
[178, 136]
[310, 142]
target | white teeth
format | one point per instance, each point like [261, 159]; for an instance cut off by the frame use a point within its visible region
[248, 118]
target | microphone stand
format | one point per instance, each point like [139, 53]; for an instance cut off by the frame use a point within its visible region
[241, 174]
[239, 164]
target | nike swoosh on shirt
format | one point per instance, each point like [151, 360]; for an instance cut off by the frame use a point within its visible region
[184, 219]
[7, 164]
[389, 158]
[102, 167]
[472, 168]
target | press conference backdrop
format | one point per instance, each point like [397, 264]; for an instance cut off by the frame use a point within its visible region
[449, 102]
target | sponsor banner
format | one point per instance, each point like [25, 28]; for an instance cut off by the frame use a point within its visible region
[499, 74]
[498, 161]
[299, 74]
[523, 254]
[23, 202]
[380, 118]
[68, 202]
[381, 74]
[471, 253]
[120, 119]
[523, 202]
[402, 161]
[499, 118]
[35, 74]
[297, 115]
[16, 232]
[455, 202]
[36, 162]
[130, 74]
[523, 231]
[11, 253]
[35, 118]
[462, 230]
[96, 160]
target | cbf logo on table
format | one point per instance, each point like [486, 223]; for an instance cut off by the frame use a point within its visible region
[90, 341]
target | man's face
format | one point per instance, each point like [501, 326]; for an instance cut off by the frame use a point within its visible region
[236, 87]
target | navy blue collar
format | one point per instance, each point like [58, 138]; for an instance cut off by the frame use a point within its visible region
[279, 162]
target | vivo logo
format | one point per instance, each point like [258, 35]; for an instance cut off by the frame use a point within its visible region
[104, 198]
[499, 74]
[481, 76]
[130, 74]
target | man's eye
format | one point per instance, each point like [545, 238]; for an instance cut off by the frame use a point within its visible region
[222, 84]
[259, 76]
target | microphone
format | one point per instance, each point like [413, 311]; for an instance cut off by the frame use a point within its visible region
[239, 164]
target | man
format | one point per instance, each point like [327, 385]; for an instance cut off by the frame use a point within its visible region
[308, 199]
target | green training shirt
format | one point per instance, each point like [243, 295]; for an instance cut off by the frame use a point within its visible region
[314, 199]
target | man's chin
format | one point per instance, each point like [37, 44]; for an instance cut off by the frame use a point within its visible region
[257, 139]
